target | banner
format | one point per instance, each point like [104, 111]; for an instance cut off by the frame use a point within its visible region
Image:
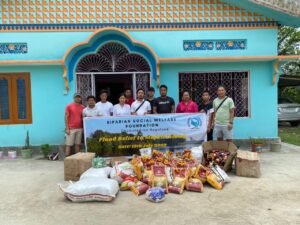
[112, 136]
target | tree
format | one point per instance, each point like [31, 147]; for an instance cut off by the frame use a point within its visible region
[289, 44]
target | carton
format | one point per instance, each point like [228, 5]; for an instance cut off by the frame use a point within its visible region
[221, 145]
[247, 164]
[77, 164]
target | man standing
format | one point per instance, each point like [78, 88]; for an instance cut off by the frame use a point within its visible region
[140, 106]
[73, 123]
[128, 96]
[104, 106]
[91, 110]
[150, 98]
[207, 108]
[164, 103]
[223, 115]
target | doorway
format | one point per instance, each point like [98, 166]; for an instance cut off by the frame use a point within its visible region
[92, 83]
[115, 84]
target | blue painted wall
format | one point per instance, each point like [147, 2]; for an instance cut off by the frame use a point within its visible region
[48, 104]
[263, 95]
[53, 45]
[48, 101]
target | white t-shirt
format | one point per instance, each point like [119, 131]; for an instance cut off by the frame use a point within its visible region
[106, 108]
[91, 112]
[119, 110]
[146, 107]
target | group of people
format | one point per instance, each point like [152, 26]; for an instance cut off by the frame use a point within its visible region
[219, 112]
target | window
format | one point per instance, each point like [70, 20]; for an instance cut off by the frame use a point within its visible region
[236, 84]
[15, 98]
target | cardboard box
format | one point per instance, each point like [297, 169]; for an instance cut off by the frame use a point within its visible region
[223, 146]
[247, 164]
[77, 164]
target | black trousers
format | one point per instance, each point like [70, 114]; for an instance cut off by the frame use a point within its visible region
[210, 135]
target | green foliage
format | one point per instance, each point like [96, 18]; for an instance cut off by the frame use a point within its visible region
[290, 135]
[257, 141]
[27, 141]
[106, 148]
[288, 44]
[46, 149]
[292, 93]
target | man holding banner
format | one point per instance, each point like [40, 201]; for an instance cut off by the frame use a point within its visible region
[140, 106]
[164, 103]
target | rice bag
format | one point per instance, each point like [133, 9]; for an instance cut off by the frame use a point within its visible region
[127, 183]
[155, 194]
[200, 173]
[169, 172]
[90, 189]
[218, 170]
[137, 166]
[121, 171]
[147, 175]
[159, 177]
[194, 184]
[197, 153]
[96, 173]
[214, 180]
[139, 188]
[180, 177]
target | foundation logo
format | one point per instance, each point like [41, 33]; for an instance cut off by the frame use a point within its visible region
[194, 122]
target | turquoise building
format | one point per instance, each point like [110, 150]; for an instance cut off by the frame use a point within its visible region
[51, 49]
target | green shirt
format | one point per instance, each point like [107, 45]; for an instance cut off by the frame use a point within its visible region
[222, 117]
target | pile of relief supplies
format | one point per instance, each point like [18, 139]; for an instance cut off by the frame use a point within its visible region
[153, 173]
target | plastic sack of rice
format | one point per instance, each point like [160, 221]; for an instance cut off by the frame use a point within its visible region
[194, 184]
[197, 153]
[159, 177]
[139, 188]
[215, 180]
[121, 171]
[96, 173]
[91, 189]
[180, 177]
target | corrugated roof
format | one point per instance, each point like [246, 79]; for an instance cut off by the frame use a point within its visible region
[286, 12]
[291, 7]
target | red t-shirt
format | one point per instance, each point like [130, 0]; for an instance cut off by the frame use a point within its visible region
[75, 115]
[191, 107]
[129, 101]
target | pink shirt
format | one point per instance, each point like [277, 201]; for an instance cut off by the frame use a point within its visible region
[75, 115]
[191, 107]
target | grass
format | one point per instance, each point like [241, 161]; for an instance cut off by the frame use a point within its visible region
[290, 135]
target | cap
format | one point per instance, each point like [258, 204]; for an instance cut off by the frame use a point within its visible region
[77, 95]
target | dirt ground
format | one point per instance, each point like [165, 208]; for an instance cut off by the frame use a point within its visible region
[30, 196]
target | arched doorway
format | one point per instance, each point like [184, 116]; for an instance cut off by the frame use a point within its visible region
[113, 68]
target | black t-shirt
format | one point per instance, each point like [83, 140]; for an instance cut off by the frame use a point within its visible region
[205, 107]
[164, 105]
[152, 104]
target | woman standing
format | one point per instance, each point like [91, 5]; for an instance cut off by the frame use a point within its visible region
[121, 109]
[187, 105]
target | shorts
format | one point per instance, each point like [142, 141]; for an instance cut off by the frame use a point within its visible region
[74, 137]
[222, 131]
